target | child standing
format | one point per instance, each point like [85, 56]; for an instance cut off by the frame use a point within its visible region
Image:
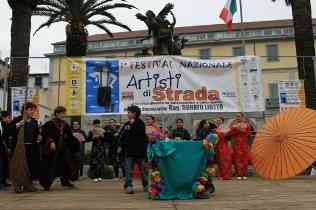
[98, 152]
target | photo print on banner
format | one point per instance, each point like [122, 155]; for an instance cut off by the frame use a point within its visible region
[102, 86]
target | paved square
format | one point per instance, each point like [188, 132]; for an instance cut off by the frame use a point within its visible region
[255, 194]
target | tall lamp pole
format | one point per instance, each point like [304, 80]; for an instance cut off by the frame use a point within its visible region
[242, 29]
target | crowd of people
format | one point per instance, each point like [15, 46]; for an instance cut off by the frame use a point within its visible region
[39, 154]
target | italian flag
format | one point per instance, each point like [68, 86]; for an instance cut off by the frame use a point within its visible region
[228, 12]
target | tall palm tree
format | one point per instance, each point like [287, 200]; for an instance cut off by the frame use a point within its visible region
[20, 39]
[79, 14]
[304, 42]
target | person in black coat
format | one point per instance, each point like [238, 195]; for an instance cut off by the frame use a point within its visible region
[111, 138]
[133, 144]
[60, 150]
[4, 161]
[7, 135]
[81, 136]
[31, 134]
[25, 160]
[98, 152]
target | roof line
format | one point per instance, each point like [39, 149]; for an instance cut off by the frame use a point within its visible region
[193, 29]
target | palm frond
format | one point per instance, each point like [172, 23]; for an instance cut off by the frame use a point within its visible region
[102, 27]
[80, 12]
[53, 3]
[101, 13]
[42, 13]
[116, 5]
[88, 4]
[102, 2]
[53, 19]
[116, 23]
[49, 10]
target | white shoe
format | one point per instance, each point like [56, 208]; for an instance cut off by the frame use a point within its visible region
[95, 180]
[239, 178]
[100, 180]
[245, 178]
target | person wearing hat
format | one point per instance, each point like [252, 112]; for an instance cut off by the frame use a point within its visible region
[133, 144]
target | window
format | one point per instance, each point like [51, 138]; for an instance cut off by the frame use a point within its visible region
[277, 31]
[38, 81]
[288, 31]
[259, 33]
[238, 51]
[273, 52]
[131, 42]
[205, 53]
[200, 36]
[59, 48]
[139, 41]
[249, 33]
[273, 100]
[210, 35]
[267, 32]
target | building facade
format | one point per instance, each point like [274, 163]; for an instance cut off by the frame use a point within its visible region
[272, 41]
[38, 82]
[4, 72]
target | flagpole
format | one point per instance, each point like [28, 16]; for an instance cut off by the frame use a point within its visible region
[242, 29]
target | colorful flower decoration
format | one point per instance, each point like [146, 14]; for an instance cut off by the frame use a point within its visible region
[156, 186]
[203, 185]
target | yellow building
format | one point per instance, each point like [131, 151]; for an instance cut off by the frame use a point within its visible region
[273, 41]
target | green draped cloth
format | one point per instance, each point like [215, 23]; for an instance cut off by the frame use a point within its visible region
[180, 164]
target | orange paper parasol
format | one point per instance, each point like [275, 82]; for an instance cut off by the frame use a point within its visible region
[286, 145]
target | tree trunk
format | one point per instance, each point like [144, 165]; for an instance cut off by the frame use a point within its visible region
[20, 44]
[76, 41]
[304, 41]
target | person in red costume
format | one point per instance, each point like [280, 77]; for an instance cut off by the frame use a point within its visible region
[239, 132]
[224, 154]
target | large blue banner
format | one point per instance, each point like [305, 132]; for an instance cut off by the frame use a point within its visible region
[102, 86]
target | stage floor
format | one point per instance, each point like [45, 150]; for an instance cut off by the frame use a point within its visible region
[255, 194]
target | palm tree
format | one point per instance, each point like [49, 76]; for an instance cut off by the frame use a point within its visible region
[79, 14]
[20, 39]
[304, 42]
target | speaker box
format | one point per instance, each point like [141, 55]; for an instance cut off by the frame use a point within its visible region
[104, 96]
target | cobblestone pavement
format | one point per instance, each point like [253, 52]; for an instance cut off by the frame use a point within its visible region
[255, 194]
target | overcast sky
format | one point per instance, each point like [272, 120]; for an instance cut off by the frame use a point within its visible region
[188, 12]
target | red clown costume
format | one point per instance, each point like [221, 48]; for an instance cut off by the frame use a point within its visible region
[224, 156]
[239, 132]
